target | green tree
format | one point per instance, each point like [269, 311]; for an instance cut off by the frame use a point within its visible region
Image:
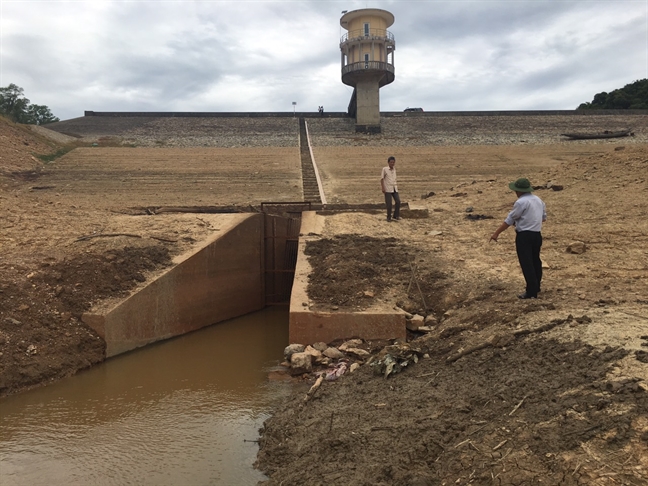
[633, 96]
[39, 115]
[17, 108]
[13, 102]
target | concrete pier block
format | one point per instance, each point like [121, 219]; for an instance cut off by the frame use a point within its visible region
[308, 326]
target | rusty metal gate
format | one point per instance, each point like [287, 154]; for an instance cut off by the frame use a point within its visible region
[282, 222]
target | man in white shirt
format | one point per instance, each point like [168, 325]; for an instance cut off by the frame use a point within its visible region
[390, 189]
[527, 215]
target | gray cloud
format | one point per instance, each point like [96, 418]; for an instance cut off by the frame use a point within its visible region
[263, 55]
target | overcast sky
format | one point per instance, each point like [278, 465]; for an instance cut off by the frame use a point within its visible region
[243, 55]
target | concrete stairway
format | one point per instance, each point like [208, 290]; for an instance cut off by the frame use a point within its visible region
[309, 180]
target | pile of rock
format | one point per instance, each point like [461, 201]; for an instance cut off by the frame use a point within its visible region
[419, 323]
[329, 361]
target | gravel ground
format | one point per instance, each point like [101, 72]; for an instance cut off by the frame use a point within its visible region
[476, 130]
[232, 132]
[226, 132]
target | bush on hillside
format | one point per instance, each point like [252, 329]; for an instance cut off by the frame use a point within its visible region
[632, 96]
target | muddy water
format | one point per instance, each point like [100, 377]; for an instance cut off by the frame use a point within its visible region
[181, 412]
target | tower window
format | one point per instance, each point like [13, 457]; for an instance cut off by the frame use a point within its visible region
[366, 29]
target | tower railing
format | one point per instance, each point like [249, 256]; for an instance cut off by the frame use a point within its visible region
[358, 35]
[367, 65]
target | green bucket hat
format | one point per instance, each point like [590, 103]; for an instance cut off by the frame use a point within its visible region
[521, 185]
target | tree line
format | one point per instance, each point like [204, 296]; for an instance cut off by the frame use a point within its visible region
[19, 109]
[633, 96]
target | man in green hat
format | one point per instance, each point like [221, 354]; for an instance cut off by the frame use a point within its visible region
[527, 215]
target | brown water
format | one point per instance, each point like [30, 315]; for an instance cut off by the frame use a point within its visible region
[181, 412]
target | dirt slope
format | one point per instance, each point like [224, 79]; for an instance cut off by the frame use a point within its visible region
[52, 268]
[550, 391]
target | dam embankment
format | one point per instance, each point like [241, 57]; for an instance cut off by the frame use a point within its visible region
[337, 129]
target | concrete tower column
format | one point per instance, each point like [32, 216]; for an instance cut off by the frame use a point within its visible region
[368, 104]
[367, 62]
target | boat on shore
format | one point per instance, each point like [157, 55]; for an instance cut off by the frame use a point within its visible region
[605, 134]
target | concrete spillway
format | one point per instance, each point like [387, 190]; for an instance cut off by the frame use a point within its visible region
[229, 275]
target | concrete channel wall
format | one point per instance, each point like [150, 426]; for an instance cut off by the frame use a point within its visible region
[221, 279]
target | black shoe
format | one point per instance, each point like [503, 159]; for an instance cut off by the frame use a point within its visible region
[526, 296]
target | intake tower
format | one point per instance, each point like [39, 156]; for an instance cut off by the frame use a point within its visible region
[367, 62]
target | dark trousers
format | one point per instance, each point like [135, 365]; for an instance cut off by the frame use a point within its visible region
[527, 245]
[388, 202]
